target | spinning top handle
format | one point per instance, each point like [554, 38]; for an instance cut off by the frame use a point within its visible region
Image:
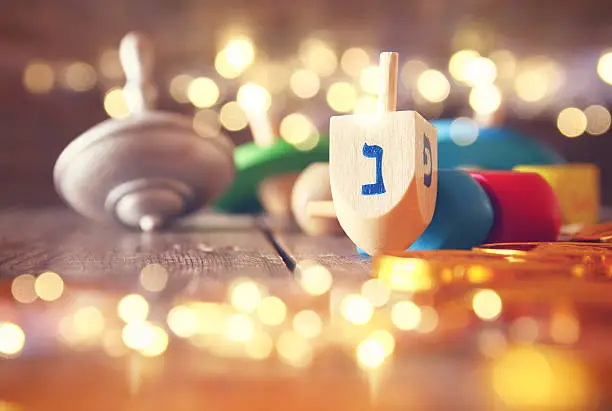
[136, 56]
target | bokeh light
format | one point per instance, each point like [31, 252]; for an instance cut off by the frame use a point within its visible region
[38, 77]
[487, 304]
[79, 76]
[464, 131]
[406, 315]
[232, 116]
[158, 343]
[564, 328]
[318, 56]
[239, 327]
[572, 122]
[206, 123]
[203, 92]
[354, 60]
[49, 286]
[253, 98]
[260, 346]
[505, 61]
[23, 290]
[386, 340]
[598, 120]
[133, 308]
[376, 292]
[294, 349]
[485, 99]
[239, 52]
[115, 104]
[307, 323]
[341, 97]
[245, 295]
[356, 309]
[370, 353]
[604, 67]
[179, 85]
[12, 339]
[433, 86]
[479, 71]
[153, 278]
[429, 320]
[305, 83]
[459, 62]
[366, 105]
[183, 321]
[410, 73]
[110, 65]
[296, 128]
[271, 311]
[314, 278]
[369, 79]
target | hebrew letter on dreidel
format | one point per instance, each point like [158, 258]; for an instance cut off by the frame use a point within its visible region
[384, 211]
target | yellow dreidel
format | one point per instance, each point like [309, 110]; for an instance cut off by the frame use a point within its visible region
[384, 171]
[576, 187]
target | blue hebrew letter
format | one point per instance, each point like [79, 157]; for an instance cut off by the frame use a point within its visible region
[427, 162]
[378, 187]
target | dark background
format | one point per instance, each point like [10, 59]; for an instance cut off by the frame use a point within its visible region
[36, 127]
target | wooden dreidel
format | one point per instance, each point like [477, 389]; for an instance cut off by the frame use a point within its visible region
[148, 168]
[383, 171]
[576, 187]
[311, 202]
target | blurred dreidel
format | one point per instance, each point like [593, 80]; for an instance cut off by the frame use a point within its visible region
[383, 171]
[576, 187]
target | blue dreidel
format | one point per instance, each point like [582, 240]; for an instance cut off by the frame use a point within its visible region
[495, 148]
[463, 216]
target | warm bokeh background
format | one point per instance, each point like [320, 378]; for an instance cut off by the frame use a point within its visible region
[556, 46]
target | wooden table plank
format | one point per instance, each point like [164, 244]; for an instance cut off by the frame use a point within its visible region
[209, 246]
[334, 252]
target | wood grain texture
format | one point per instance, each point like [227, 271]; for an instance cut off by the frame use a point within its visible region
[216, 248]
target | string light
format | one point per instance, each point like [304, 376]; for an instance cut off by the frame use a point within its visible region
[305, 83]
[232, 116]
[115, 104]
[341, 97]
[354, 60]
[406, 315]
[49, 286]
[433, 86]
[604, 67]
[38, 77]
[572, 122]
[203, 92]
[598, 119]
[485, 99]
[12, 339]
[487, 304]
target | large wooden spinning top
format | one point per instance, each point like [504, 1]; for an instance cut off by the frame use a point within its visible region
[149, 168]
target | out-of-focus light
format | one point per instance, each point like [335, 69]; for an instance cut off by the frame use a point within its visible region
[369, 78]
[405, 274]
[433, 86]
[386, 340]
[429, 320]
[354, 60]
[341, 97]
[211, 317]
[314, 278]
[49, 286]
[23, 290]
[153, 277]
[464, 131]
[370, 353]
[491, 343]
[459, 62]
[480, 71]
[294, 349]
[273, 76]
[183, 321]
[307, 323]
[376, 292]
[366, 105]
[224, 67]
[239, 327]
[137, 335]
[310, 143]
[12, 339]
[411, 71]
[110, 65]
[524, 330]
[406, 315]
[88, 322]
[531, 85]
[38, 77]
[564, 328]
[598, 120]
[572, 122]
[239, 53]
[253, 98]
[79, 76]
[133, 308]
[296, 128]
[115, 104]
[271, 311]
[179, 85]
[260, 346]
[203, 92]
[604, 67]
[318, 56]
[245, 295]
[305, 83]
[505, 62]
[233, 117]
[485, 99]
[356, 309]
[158, 343]
[206, 123]
[112, 344]
[487, 304]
